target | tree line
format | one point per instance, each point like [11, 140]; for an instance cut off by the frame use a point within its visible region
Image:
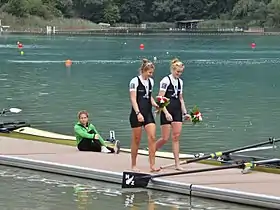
[250, 12]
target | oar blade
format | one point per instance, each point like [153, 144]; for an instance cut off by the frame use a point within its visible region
[135, 180]
[15, 110]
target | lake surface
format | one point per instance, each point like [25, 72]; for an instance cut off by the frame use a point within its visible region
[24, 190]
[236, 88]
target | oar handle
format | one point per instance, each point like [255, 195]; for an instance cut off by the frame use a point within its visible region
[271, 140]
[200, 158]
[200, 170]
[243, 165]
[186, 161]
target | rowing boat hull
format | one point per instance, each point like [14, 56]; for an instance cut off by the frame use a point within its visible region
[168, 155]
[42, 133]
[46, 134]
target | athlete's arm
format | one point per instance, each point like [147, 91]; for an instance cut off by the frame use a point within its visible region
[183, 106]
[101, 140]
[132, 89]
[164, 83]
[82, 133]
[154, 104]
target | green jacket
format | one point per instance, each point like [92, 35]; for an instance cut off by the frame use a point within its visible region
[83, 132]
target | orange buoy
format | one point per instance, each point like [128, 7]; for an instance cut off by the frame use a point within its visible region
[141, 46]
[68, 63]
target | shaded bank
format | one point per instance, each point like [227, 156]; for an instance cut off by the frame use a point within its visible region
[78, 26]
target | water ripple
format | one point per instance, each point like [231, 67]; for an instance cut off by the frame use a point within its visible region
[235, 87]
[243, 61]
[51, 189]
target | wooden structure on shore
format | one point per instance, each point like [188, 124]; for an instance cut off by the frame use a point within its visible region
[51, 30]
[187, 24]
[3, 28]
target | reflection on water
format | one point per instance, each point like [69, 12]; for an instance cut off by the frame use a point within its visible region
[25, 190]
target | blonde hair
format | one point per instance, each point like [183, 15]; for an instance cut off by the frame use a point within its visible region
[175, 63]
[82, 112]
[146, 64]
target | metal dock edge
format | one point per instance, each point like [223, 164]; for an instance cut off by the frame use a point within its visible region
[261, 200]
[157, 184]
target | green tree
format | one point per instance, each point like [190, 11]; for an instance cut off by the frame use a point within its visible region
[132, 11]
[18, 8]
[168, 10]
[218, 12]
[244, 8]
[111, 12]
[65, 6]
[274, 13]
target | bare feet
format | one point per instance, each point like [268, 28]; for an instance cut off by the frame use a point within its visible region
[135, 169]
[179, 168]
[154, 169]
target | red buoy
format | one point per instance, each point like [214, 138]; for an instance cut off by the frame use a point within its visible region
[20, 45]
[253, 45]
[142, 46]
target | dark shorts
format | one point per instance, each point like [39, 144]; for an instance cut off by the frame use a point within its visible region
[90, 145]
[176, 115]
[148, 118]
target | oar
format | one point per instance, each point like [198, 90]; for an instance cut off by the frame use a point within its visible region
[256, 149]
[219, 154]
[13, 123]
[12, 110]
[141, 180]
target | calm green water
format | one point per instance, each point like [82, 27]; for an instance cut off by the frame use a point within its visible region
[236, 88]
[25, 190]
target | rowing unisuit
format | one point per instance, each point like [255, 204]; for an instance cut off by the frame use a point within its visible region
[173, 87]
[143, 88]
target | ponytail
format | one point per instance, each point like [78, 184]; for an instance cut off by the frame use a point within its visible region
[146, 64]
[175, 63]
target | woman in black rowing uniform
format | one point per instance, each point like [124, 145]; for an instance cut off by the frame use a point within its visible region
[141, 115]
[171, 86]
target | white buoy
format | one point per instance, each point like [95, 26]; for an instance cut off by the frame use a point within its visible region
[155, 58]
[167, 53]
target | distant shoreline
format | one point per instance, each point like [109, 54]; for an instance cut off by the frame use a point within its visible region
[130, 32]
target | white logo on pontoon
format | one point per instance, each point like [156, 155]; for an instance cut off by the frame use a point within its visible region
[129, 180]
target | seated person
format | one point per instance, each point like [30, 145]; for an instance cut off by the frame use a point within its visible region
[88, 138]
